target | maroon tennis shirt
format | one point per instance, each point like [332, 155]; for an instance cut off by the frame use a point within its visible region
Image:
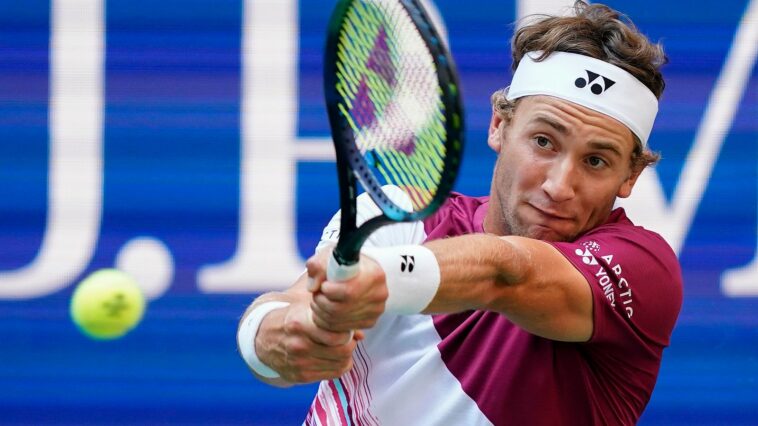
[517, 378]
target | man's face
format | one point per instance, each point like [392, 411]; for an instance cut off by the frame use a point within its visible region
[559, 169]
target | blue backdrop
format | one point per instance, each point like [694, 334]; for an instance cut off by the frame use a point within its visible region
[187, 110]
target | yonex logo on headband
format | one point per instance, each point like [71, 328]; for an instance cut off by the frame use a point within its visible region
[590, 82]
[596, 88]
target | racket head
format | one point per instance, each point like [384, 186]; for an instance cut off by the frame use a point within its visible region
[394, 106]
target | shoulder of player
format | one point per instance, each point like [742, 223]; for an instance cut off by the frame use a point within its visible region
[620, 229]
[634, 248]
[635, 269]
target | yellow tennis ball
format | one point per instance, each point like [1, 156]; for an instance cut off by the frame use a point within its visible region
[107, 304]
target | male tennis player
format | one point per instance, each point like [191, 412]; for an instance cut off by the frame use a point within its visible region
[538, 305]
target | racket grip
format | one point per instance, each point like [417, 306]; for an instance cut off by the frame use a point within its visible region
[337, 273]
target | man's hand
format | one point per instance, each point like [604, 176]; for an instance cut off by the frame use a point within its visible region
[291, 344]
[350, 305]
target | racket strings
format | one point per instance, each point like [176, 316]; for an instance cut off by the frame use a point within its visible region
[391, 98]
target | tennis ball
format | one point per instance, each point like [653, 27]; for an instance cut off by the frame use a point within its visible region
[107, 304]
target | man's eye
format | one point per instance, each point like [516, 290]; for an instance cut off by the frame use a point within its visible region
[543, 142]
[596, 162]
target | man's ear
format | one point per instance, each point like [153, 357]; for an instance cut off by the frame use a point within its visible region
[626, 187]
[495, 132]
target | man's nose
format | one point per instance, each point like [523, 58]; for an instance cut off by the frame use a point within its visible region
[560, 180]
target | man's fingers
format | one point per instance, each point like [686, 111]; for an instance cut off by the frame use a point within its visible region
[315, 282]
[320, 332]
[310, 353]
[334, 317]
[336, 292]
[316, 373]
[312, 285]
[326, 337]
[338, 316]
[338, 327]
[326, 308]
[304, 348]
[319, 317]
[333, 354]
[358, 335]
[316, 273]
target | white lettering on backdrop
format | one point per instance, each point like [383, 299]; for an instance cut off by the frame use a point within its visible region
[266, 256]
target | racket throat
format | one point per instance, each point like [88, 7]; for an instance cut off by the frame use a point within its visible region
[341, 259]
[349, 245]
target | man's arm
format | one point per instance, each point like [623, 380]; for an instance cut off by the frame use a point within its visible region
[288, 341]
[527, 280]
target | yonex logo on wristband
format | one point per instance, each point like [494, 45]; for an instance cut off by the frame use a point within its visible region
[596, 88]
[408, 263]
[412, 286]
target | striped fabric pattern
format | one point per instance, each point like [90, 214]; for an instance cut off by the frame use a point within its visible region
[345, 401]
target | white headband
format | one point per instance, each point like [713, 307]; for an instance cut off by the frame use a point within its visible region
[589, 82]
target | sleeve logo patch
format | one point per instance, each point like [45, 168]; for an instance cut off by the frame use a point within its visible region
[587, 256]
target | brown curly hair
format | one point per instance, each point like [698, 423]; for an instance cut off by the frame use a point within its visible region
[599, 32]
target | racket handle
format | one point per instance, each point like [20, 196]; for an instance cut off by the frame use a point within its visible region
[337, 273]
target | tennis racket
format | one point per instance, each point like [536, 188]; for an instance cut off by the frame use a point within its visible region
[395, 113]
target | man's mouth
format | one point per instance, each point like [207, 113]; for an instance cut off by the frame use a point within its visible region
[550, 214]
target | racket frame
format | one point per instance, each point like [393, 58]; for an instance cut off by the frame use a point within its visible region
[351, 164]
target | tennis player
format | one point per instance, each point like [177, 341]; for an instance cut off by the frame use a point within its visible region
[541, 304]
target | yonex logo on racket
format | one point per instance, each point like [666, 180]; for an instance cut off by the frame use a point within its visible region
[595, 88]
[408, 263]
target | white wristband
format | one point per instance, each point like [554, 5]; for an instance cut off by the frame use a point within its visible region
[412, 275]
[246, 337]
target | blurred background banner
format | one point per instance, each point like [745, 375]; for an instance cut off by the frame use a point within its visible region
[186, 142]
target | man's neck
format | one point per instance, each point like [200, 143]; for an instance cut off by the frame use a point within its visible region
[492, 224]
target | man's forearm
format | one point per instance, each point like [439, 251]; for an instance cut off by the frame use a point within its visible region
[477, 272]
[527, 280]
